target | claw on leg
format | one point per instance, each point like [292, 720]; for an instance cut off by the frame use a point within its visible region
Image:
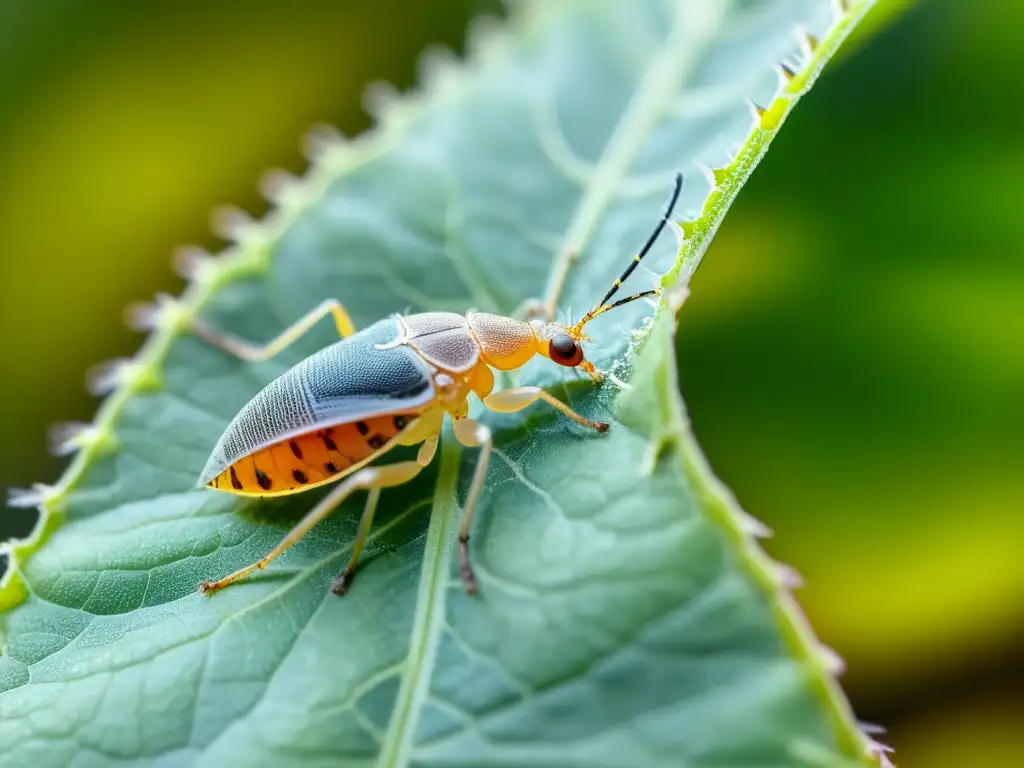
[341, 582]
[466, 569]
[472, 434]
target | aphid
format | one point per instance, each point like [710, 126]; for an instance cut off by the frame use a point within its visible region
[390, 384]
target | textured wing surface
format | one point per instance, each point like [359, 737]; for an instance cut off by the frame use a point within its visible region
[444, 339]
[346, 381]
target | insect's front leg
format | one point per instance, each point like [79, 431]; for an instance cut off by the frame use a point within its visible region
[513, 400]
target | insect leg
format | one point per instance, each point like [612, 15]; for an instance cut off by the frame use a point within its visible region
[430, 424]
[531, 309]
[369, 478]
[255, 353]
[426, 432]
[343, 580]
[472, 434]
[512, 400]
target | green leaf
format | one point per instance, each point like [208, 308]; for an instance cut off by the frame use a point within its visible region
[626, 615]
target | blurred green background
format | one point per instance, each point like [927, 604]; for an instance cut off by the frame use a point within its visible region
[852, 354]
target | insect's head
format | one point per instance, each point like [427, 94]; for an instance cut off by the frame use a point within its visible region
[564, 343]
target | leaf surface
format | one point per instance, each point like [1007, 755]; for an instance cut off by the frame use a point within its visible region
[626, 616]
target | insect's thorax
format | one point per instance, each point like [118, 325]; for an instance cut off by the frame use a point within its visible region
[505, 343]
[462, 349]
[442, 339]
[446, 343]
[456, 343]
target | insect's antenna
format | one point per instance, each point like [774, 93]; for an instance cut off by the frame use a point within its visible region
[634, 297]
[601, 310]
[602, 305]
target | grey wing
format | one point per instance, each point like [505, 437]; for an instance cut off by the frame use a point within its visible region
[345, 382]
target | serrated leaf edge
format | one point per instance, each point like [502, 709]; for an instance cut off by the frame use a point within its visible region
[774, 579]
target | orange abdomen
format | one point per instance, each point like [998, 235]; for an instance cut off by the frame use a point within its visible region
[309, 459]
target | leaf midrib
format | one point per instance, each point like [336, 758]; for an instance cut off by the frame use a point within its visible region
[430, 612]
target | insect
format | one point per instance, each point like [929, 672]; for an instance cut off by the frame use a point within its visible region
[326, 419]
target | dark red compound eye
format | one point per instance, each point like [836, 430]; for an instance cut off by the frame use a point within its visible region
[564, 350]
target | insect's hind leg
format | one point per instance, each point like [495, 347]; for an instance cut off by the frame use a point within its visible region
[255, 353]
[370, 478]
